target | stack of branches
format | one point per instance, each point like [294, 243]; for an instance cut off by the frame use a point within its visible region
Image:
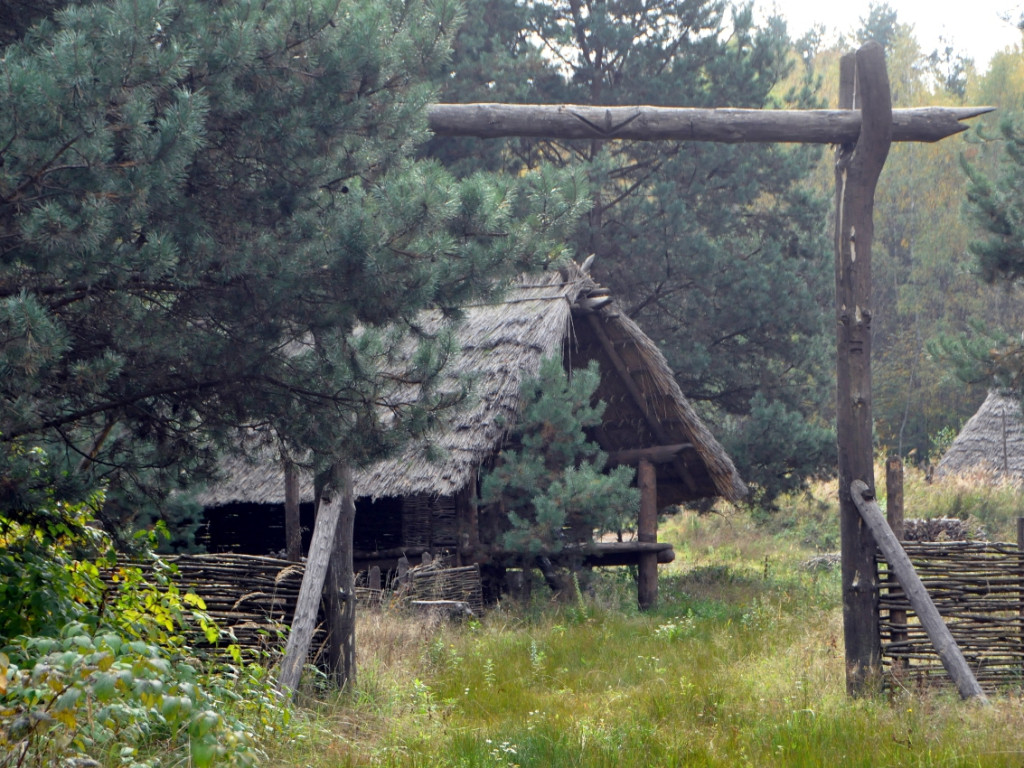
[936, 529]
[978, 588]
[434, 582]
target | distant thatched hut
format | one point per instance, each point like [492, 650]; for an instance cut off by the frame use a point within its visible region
[409, 504]
[991, 442]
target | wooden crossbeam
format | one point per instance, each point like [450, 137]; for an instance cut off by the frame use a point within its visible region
[646, 123]
[656, 454]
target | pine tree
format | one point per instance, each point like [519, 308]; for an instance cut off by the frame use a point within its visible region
[201, 203]
[550, 480]
[716, 250]
[996, 206]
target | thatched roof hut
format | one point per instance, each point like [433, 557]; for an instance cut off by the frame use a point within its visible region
[424, 499]
[562, 313]
[991, 442]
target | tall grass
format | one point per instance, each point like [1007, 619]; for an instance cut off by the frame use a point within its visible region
[740, 664]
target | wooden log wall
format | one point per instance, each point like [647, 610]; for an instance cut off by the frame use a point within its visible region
[978, 589]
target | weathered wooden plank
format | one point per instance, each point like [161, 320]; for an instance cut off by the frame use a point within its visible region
[946, 647]
[648, 123]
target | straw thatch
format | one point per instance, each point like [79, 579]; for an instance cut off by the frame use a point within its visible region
[502, 344]
[991, 442]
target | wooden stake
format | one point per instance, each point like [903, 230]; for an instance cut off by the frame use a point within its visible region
[952, 659]
[647, 531]
[864, 84]
[1020, 576]
[339, 590]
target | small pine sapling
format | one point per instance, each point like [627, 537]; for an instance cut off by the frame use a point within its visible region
[551, 481]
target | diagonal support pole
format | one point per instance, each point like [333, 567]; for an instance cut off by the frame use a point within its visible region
[949, 652]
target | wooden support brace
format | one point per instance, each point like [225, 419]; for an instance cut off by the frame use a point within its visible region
[946, 647]
[292, 519]
[658, 454]
[330, 509]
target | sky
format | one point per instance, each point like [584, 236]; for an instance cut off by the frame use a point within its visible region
[979, 32]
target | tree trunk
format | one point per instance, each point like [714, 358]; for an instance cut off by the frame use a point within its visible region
[300, 636]
[339, 590]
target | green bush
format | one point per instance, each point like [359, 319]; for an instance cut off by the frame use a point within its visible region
[98, 671]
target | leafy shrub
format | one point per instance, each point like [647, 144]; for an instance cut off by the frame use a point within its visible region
[100, 672]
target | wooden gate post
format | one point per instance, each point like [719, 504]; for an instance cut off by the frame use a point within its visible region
[864, 84]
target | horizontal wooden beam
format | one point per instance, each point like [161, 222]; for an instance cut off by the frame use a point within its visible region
[656, 454]
[645, 123]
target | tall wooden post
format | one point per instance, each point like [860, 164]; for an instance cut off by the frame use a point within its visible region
[864, 84]
[647, 530]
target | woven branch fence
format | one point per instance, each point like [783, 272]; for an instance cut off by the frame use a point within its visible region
[252, 597]
[978, 588]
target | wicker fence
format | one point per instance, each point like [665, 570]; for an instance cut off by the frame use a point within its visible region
[978, 588]
[252, 598]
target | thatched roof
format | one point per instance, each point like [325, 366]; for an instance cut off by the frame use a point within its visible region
[992, 441]
[556, 313]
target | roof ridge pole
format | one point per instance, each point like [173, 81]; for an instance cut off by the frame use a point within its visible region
[864, 85]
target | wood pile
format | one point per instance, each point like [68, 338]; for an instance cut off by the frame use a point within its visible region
[936, 529]
[434, 582]
[978, 588]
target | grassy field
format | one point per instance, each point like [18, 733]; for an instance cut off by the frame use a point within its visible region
[741, 664]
